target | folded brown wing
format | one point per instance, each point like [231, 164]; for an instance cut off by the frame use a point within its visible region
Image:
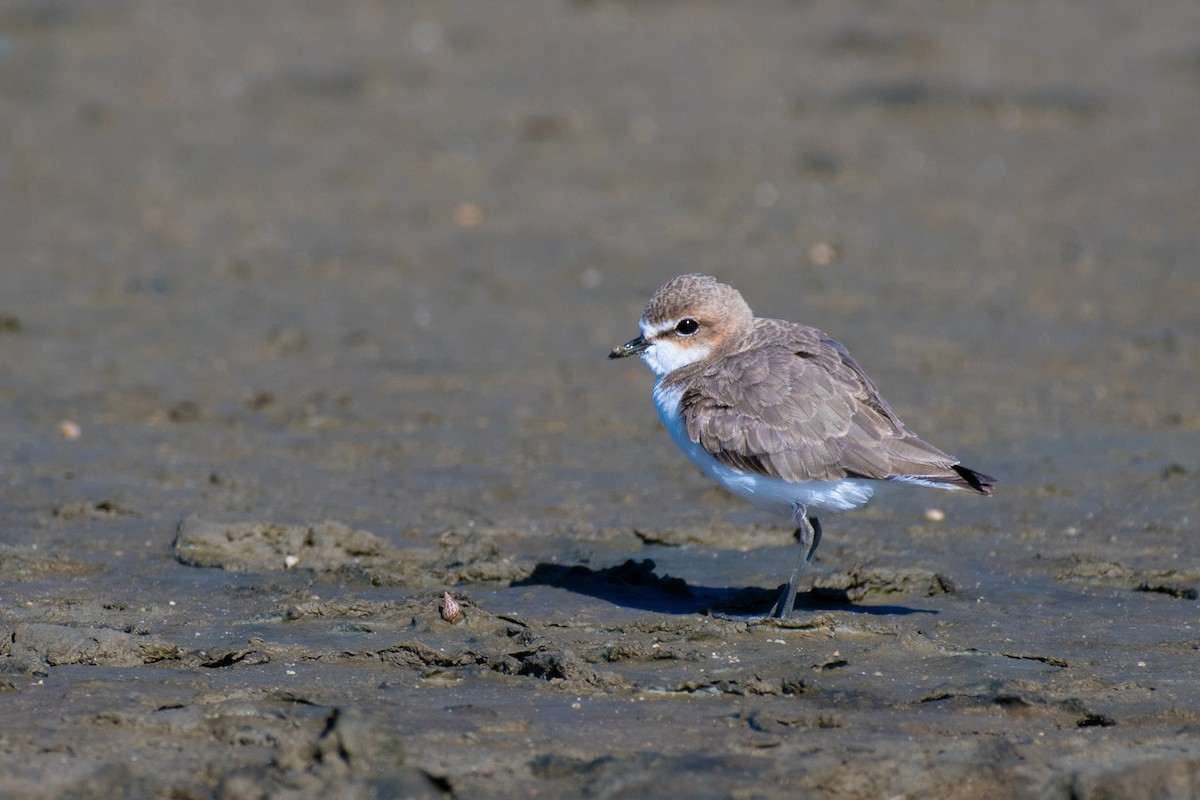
[803, 410]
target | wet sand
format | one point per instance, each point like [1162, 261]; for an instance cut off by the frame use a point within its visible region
[303, 320]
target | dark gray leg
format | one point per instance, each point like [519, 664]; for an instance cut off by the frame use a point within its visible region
[809, 535]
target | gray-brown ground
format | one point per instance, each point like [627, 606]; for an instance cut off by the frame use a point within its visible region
[303, 317]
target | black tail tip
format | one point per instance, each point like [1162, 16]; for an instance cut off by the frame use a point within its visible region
[976, 480]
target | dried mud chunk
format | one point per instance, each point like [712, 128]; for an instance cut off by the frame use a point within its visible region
[98, 510]
[472, 558]
[460, 558]
[553, 766]
[27, 563]
[1173, 777]
[1079, 568]
[1086, 569]
[364, 744]
[267, 547]
[776, 721]
[112, 780]
[228, 657]
[564, 667]
[858, 583]
[54, 645]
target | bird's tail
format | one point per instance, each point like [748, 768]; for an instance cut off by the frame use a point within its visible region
[973, 480]
[956, 477]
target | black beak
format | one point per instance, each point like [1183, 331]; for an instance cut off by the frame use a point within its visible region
[630, 348]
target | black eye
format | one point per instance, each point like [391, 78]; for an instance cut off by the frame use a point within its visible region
[687, 326]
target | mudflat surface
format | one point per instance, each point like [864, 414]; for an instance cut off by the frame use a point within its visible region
[304, 311]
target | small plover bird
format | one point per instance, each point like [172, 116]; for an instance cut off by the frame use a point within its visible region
[778, 413]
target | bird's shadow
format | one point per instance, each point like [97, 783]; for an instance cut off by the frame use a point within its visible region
[634, 584]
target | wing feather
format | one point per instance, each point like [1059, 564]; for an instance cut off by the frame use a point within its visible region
[796, 406]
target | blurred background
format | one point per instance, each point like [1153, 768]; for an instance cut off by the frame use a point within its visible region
[381, 249]
[363, 261]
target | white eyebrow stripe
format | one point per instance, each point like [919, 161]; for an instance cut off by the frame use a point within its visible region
[650, 331]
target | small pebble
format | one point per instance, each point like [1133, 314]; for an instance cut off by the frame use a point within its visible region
[822, 254]
[69, 430]
[643, 129]
[766, 194]
[450, 610]
[468, 215]
[290, 561]
[426, 36]
[935, 515]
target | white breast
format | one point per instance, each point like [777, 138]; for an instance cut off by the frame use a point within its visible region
[772, 494]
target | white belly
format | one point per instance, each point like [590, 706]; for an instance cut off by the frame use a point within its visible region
[772, 494]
